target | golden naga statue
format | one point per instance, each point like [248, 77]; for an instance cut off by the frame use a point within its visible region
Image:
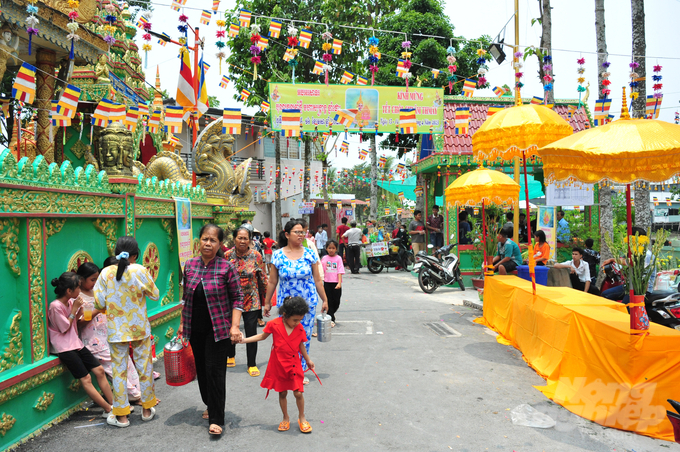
[115, 150]
[164, 165]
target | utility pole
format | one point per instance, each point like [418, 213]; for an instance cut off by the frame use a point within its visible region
[518, 101]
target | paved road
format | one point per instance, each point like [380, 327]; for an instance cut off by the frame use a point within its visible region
[389, 384]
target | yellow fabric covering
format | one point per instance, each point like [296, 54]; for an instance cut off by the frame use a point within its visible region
[581, 344]
[482, 184]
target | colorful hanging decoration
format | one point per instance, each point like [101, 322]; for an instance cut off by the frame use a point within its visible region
[131, 118]
[110, 28]
[407, 121]
[347, 77]
[305, 38]
[601, 111]
[362, 81]
[244, 18]
[337, 47]
[406, 56]
[677, 117]
[634, 81]
[462, 121]
[469, 87]
[517, 65]
[264, 106]
[32, 22]
[173, 119]
[255, 48]
[219, 34]
[483, 68]
[536, 100]
[72, 26]
[581, 79]
[451, 58]
[215, 6]
[606, 91]
[435, 73]
[326, 57]
[263, 43]
[234, 30]
[291, 53]
[231, 121]
[225, 81]
[68, 102]
[206, 15]
[146, 25]
[498, 91]
[374, 56]
[274, 29]
[23, 89]
[658, 86]
[318, 67]
[245, 94]
[290, 122]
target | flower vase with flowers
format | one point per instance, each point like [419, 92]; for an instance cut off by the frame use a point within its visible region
[639, 268]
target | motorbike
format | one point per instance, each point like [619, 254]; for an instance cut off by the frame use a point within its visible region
[435, 271]
[663, 308]
[400, 255]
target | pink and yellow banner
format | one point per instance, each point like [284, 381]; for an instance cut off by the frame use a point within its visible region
[184, 233]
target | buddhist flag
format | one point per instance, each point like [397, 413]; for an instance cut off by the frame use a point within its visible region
[23, 89]
[204, 65]
[224, 82]
[143, 109]
[318, 67]
[274, 29]
[231, 121]
[344, 147]
[57, 119]
[337, 47]
[131, 118]
[387, 211]
[493, 110]
[653, 106]
[571, 109]
[216, 5]
[537, 100]
[407, 120]
[345, 117]
[401, 69]
[103, 112]
[435, 73]
[263, 43]
[401, 196]
[305, 38]
[117, 112]
[498, 91]
[346, 77]
[602, 107]
[154, 121]
[462, 121]
[245, 94]
[142, 21]
[362, 81]
[363, 153]
[176, 5]
[163, 42]
[290, 122]
[233, 30]
[289, 54]
[244, 18]
[203, 103]
[382, 161]
[173, 119]
[173, 140]
[186, 97]
[264, 106]
[68, 102]
[205, 17]
[469, 87]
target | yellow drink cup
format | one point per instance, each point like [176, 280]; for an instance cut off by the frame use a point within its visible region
[87, 313]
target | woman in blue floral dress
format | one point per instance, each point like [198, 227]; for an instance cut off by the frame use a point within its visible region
[295, 270]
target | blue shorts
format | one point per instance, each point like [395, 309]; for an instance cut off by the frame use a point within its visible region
[437, 239]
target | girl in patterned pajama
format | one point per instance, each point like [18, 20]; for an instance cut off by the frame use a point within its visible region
[294, 267]
[122, 290]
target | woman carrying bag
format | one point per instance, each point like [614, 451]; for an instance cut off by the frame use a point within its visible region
[213, 302]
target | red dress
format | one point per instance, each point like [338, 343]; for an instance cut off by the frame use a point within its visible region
[284, 370]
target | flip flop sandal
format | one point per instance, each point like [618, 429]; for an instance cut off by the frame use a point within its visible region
[212, 431]
[284, 426]
[205, 415]
[253, 371]
[231, 362]
[305, 427]
[314, 335]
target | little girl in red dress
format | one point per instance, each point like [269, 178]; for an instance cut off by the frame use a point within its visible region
[284, 371]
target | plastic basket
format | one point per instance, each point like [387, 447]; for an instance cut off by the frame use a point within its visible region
[178, 359]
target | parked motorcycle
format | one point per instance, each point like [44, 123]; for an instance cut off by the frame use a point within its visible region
[400, 255]
[663, 308]
[435, 271]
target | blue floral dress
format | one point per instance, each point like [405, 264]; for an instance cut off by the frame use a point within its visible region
[296, 279]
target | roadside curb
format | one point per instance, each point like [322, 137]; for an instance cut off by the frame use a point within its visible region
[474, 304]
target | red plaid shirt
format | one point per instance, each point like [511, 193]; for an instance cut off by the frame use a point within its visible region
[222, 287]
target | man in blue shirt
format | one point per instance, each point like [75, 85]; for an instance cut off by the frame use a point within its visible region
[563, 232]
[508, 256]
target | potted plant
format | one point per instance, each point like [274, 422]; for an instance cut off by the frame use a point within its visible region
[490, 245]
[639, 267]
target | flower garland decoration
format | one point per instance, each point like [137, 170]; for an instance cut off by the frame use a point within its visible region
[406, 56]
[219, 34]
[518, 70]
[606, 91]
[183, 28]
[581, 79]
[326, 57]
[32, 23]
[110, 18]
[147, 38]
[633, 80]
[483, 68]
[658, 86]
[254, 48]
[451, 58]
[547, 77]
[292, 43]
[374, 56]
[72, 26]
[677, 117]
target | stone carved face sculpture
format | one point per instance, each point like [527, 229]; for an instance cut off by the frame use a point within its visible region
[115, 150]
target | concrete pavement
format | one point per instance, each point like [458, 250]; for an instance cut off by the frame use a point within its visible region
[404, 371]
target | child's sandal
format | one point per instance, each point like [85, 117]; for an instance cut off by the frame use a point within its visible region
[305, 427]
[284, 426]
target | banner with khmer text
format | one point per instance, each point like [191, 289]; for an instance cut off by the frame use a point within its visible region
[184, 233]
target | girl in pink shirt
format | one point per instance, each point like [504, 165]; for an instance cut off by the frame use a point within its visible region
[332, 279]
[62, 319]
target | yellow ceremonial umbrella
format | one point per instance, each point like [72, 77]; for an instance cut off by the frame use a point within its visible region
[482, 186]
[518, 132]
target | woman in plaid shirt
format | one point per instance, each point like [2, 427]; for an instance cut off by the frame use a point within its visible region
[213, 303]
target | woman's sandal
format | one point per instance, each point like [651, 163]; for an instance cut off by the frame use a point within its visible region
[284, 426]
[205, 415]
[314, 334]
[305, 427]
[254, 371]
[215, 430]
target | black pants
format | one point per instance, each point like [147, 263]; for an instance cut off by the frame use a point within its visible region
[211, 372]
[341, 251]
[333, 295]
[354, 257]
[580, 285]
[250, 325]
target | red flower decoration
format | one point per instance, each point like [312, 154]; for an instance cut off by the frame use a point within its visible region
[220, 34]
[519, 74]
[292, 41]
[606, 82]
[255, 38]
[327, 57]
[658, 86]
[183, 18]
[606, 92]
[73, 15]
[581, 61]
[147, 26]
[255, 60]
[481, 81]
[657, 68]
[146, 37]
[407, 64]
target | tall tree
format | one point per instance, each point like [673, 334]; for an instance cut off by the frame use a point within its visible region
[546, 47]
[643, 216]
[604, 193]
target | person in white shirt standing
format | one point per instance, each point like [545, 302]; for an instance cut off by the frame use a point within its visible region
[580, 272]
[321, 238]
[353, 236]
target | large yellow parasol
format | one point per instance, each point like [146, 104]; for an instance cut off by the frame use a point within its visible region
[482, 186]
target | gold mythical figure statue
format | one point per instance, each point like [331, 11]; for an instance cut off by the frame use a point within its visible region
[115, 150]
[9, 43]
[101, 70]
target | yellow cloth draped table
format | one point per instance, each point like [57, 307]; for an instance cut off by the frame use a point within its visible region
[581, 344]
[482, 186]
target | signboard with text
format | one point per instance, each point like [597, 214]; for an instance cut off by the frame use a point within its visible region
[365, 105]
[548, 224]
[575, 194]
[184, 234]
[306, 208]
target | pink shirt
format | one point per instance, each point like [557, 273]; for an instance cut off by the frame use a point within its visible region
[63, 338]
[332, 268]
